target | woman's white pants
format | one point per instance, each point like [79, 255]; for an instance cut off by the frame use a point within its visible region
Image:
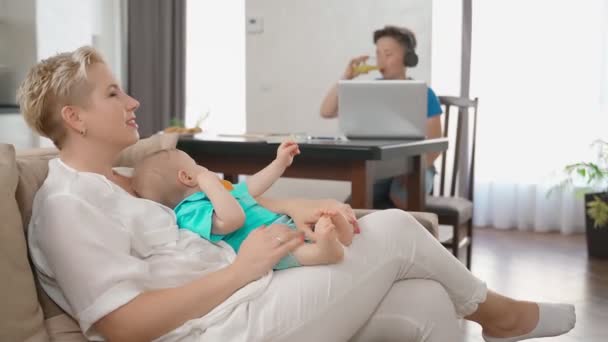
[397, 283]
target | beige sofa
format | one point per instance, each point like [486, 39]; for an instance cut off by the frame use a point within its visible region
[26, 312]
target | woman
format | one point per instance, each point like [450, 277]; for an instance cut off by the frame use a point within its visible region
[120, 266]
[395, 52]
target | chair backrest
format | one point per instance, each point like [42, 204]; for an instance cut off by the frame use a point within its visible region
[463, 142]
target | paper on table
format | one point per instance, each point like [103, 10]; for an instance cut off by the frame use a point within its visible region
[271, 138]
[277, 139]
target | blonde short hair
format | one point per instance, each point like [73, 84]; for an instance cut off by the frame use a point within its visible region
[53, 83]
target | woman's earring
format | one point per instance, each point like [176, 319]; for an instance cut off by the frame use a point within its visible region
[83, 132]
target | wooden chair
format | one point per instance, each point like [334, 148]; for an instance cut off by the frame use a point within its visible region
[451, 209]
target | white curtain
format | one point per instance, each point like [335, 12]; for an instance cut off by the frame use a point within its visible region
[540, 71]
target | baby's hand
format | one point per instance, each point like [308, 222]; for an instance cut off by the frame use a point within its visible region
[286, 152]
[205, 177]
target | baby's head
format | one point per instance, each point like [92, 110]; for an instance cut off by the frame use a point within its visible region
[165, 177]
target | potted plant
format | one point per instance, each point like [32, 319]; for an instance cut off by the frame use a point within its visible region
[591, 180]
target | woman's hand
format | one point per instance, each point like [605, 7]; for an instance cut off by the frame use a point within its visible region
[351, 70]
[304, 213]
[263, 249]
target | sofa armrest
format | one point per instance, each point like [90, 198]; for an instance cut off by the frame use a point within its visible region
[428, 220]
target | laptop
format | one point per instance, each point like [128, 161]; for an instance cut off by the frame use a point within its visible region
[382, 109]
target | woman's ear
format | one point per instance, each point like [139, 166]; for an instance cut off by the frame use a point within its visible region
[186, 179]
[70, 116]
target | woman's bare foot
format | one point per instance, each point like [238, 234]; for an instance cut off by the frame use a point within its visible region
[344, 229]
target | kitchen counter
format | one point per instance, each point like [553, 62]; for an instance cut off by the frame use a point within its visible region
[9, 110]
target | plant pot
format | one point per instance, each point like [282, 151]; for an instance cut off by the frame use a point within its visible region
[597, 237]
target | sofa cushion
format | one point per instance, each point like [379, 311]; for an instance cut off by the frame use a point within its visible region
[62, 328]
[33, 166]
[145, 147]
[21, 318]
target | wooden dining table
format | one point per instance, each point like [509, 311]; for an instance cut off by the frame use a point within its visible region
[361, 162]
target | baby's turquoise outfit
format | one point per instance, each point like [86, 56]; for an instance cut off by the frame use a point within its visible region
[195, 213]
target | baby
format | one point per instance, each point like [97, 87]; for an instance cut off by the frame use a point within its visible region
[209, 208]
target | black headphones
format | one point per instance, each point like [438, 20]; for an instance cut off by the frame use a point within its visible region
[406, 38]
[410, 59]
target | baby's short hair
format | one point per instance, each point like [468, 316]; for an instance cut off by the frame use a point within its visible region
[155, 176]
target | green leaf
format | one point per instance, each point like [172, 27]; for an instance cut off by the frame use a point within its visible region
[598, 211]
[582, 172]
[594, 176]
[175, 122]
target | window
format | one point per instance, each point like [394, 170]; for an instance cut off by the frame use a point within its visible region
[215, 65]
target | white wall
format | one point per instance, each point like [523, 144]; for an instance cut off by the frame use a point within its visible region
[65, 25]
[303, 50]
[446, 46]
[110, 34]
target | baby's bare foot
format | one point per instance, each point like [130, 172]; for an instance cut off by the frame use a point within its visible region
[327, 240]
[325, 229]
[345, 229]
[327, 212]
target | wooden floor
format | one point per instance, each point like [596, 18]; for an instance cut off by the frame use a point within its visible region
[546, 267]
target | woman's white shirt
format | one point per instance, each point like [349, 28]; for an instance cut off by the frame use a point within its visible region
[95, 248]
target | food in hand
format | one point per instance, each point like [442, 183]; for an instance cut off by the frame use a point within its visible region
[182, 130]
[227, 184]
[178, 126]
[365, 68]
